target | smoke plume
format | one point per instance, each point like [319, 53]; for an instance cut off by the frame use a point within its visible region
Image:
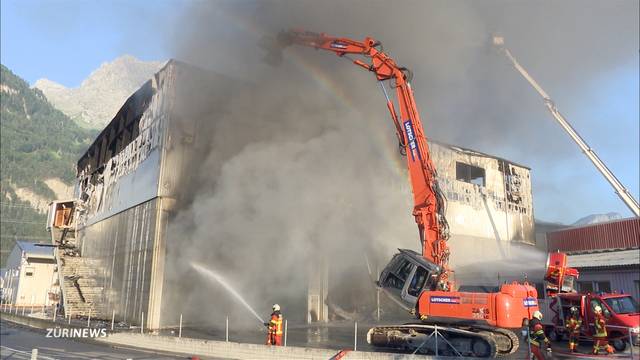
[301, 165]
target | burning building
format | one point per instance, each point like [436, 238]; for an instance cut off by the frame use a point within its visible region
[116, 247]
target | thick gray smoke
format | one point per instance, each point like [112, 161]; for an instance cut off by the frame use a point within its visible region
[301, 164]
[578, 50]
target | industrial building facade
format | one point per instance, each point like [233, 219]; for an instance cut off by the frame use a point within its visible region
[133, 177]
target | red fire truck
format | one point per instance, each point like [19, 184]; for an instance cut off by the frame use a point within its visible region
[621, 310]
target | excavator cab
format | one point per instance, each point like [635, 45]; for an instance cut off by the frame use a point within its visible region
[406, 275]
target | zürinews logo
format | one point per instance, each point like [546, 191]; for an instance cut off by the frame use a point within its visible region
[75, 333]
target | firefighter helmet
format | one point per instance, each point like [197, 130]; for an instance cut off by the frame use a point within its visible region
[597, 309]
[574, 310]
[537, 314]
[276, 307]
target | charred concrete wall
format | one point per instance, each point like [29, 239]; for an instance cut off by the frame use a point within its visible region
[490, 212]
[489, 205]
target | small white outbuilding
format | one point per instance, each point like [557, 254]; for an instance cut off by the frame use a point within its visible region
[30, 275]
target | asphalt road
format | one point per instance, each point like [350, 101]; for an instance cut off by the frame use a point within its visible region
[17, 343]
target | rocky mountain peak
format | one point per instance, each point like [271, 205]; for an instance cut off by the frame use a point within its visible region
[597, 218]
[94, 103]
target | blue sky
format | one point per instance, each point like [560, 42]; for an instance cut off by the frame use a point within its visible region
[65, 41]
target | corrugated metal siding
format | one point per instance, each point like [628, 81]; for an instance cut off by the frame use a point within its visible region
[122, 248]
[621, 280]
[623, 234]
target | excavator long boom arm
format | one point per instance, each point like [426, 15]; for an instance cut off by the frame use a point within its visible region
[429, 208]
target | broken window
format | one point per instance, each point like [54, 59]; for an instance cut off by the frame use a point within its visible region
[470, 174]
[120, 132]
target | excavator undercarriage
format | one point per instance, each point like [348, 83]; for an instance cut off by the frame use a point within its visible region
[481, 342]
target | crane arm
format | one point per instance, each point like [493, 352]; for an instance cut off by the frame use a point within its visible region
[619, 189]
[429, 203]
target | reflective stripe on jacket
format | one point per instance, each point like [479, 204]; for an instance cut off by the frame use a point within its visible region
[275, 325]
[573, 325]
[601, 330]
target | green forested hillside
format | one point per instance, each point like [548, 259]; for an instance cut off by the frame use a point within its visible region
[37, 142]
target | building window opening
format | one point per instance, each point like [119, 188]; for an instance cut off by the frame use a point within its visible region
[595, 286]
[604, 286]
[28, 272]
[470, 174]
[585, 286]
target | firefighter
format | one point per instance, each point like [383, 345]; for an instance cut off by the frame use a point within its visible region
[573, 328]
[274, 334]
[600, 340]
[537, 336]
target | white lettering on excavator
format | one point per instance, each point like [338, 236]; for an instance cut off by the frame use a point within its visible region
[408, 128]
[444, 300]
[338, 45]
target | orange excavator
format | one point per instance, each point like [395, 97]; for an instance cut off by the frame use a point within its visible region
[468, 324]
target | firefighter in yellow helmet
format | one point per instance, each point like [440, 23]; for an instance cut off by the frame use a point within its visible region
[600, 340]
[537, 337]
[274, 326]
[573, 328]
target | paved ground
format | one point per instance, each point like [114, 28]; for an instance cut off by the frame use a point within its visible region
[341, 336]
[18, 342]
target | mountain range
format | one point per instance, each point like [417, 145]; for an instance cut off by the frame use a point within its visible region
[95, 102]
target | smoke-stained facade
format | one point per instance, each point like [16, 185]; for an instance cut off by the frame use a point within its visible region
[489, 202]
[128, 182]
[146, 166]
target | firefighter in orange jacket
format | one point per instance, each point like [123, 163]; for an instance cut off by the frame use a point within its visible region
[537, 337]
[600, 340]
[274, 326]
[573, 328]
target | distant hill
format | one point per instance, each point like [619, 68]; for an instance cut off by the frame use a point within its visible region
[101, 95]
[597, 218]
[39, 146]
[543, 227]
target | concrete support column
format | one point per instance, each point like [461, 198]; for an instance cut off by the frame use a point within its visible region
[154, 317]
[318, 290]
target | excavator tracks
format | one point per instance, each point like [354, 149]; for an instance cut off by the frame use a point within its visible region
[506, 340]
[450, 341]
